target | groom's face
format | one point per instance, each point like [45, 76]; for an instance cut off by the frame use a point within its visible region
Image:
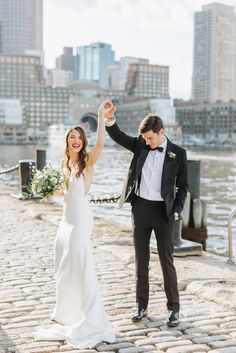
[153, 139]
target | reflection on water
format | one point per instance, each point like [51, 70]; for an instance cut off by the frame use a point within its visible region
[218, 183]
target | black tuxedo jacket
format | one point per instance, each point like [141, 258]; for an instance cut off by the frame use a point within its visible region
[174, 183]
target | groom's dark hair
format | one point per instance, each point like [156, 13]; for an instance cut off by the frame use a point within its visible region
[151, 122]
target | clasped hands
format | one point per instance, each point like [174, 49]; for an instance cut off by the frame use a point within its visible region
[107, 109]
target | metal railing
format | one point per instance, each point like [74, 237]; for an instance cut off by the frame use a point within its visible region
[230, 238]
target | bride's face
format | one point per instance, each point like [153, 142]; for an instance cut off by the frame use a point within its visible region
[74, 141]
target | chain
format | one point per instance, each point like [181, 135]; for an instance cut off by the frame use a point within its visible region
[9, 170]
[103, 199]
[93, 199]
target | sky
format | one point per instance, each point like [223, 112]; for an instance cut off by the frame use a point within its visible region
[158, 30]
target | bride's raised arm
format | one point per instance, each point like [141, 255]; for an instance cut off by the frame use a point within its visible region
[96, 151]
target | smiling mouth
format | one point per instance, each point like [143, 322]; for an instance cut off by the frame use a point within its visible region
[76, 146]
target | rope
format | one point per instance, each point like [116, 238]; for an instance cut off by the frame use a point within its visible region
[9, 170]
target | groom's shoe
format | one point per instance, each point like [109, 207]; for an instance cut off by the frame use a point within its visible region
[173, 319]
[139, 314]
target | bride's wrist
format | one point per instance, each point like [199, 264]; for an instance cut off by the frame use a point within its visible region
[101, 115]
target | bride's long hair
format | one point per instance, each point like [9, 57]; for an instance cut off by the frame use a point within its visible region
[82, 155]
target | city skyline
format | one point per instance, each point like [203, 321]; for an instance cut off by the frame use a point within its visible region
[163, 34]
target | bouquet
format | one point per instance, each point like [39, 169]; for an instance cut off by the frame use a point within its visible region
[45, 182]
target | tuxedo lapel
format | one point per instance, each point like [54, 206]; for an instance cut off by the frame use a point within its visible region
[134, 173]
[141, 161]
[167, 164]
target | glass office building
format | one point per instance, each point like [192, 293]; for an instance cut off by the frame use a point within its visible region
[92, 61]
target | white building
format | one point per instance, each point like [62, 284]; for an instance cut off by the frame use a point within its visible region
[59, 78]
[12, 112]
[117, 73]
[214, 63]
[164, 109]
[113, 74]
[124, 67]
[13, 129]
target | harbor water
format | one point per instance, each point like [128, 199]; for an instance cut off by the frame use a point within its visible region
[218, 184]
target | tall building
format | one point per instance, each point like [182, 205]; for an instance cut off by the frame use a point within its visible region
[92, 61]
[21, 25]
[124, 66]
[21, 77]
[66, 61]
[117, 73]
[214, 62]
[146, 80]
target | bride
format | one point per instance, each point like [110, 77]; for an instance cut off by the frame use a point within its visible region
[79, 313]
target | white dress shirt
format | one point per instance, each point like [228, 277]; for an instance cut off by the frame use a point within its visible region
[110, 122]
[150, 185]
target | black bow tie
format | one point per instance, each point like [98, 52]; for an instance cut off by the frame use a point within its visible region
[160, 149]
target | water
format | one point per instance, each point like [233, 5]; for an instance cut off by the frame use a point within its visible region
[218, 184]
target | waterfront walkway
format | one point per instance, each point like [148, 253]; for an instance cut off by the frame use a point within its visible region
[207, 288]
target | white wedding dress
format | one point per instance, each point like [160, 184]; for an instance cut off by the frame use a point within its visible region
[79, 312]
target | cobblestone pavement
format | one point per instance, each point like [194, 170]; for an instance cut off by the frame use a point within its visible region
[27, 289]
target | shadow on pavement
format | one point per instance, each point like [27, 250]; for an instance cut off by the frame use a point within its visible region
[6, 344]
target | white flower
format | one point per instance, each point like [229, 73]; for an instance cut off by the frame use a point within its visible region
[45, 181]
[171, 155]
[54, 180]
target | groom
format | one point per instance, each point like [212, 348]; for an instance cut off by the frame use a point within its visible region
[156, 187]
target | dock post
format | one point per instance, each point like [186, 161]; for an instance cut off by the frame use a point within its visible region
[25, 173]
[40, 159]
[183, 247]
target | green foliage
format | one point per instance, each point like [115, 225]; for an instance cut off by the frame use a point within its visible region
[44, 182]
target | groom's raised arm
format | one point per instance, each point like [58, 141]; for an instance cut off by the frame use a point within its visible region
[120, 137]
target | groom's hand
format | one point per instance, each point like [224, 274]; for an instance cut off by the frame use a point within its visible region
[110, 113]
[107, 108]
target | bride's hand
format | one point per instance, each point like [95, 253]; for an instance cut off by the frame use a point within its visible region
[107, 109]
[47, 198]
[101, 110]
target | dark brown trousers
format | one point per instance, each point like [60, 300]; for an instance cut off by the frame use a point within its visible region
[148, 216]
